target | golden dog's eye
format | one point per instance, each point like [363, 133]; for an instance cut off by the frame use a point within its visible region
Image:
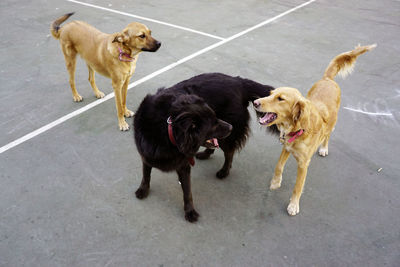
[142, 36]
[280, 98]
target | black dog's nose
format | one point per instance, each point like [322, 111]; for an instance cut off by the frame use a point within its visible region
[256, 103]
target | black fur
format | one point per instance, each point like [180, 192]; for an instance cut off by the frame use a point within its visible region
[229, 97]
[194, 106]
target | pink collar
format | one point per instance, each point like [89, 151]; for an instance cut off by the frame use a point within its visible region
[172, 139]
[170, 133]
[294, 135]
[123, 54]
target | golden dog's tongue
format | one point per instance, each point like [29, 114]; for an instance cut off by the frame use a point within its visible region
[267, 118]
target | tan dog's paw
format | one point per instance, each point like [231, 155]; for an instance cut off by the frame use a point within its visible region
[77, 98]
[123, 126]
[99, 94]
[275, 183]
[323, 152]
[293, 208]
[129, 113]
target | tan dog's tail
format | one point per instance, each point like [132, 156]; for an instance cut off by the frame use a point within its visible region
[55, 26]
[343, 64]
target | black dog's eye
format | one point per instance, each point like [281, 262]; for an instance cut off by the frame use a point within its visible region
[142, 36]
[280, 98]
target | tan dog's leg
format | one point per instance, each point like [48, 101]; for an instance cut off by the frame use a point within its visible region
[323, 150]
[118, 87]
[97, 92]
[277, 179]
[127, 112]
[294, 204]
[70, 62]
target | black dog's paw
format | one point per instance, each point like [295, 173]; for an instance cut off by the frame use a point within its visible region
[203, 155]
[221, 174]
[142, 192]
[191, 216]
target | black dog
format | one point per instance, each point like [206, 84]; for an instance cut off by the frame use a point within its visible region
[170, 127]
[199, 111]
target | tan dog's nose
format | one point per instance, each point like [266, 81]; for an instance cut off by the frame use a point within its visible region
[256, 103]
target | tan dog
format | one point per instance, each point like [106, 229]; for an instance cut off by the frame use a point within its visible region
[111, 55]
[306, 123]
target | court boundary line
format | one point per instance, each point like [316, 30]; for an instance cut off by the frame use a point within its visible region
[147, 19]
[142, 80]
[369, 113]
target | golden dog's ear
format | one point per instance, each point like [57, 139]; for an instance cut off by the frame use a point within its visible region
[297, 110]
[120, 37]
[301, 115]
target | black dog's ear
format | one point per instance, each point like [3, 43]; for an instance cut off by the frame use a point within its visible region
[183, 111]
[187, 138]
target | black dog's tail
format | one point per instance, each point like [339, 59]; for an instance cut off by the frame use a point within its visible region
[55, 25]
[256, 90]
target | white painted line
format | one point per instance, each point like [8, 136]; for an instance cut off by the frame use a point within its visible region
[369, 113]
[142, 80]
[54, 123]
[147, 19]
[269, 20]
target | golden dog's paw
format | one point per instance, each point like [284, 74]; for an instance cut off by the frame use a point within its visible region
[123, 126]
[293, 208]
[100, 94]
[323, 152]
[275, 183]
[77, 98]
[129, 113]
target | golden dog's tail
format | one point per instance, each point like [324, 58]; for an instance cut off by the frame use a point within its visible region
[55, 26]
[343, 64]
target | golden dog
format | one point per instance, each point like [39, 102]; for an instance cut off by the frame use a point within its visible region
[111, 55]
[306, 123]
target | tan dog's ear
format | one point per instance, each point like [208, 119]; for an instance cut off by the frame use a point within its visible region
[120, 37]
[301, 115]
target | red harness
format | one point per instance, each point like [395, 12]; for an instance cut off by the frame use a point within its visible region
[172, 139]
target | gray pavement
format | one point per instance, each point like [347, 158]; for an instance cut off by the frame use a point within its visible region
[67, 194]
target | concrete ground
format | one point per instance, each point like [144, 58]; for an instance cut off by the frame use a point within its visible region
[67, 193]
